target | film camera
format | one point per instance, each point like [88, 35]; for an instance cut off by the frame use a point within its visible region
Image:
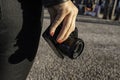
[72, 47]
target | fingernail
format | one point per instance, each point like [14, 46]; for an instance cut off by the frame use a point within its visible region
[59, 41]
[52, 33]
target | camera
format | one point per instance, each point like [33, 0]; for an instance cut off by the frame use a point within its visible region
[72, 47]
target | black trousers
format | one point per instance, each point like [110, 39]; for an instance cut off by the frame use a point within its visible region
[20, 28]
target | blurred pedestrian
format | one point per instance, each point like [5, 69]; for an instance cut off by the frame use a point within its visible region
[118, 10]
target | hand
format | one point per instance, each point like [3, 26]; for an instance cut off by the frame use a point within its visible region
[66, 13]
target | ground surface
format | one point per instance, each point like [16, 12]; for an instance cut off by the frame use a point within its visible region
[100, 59]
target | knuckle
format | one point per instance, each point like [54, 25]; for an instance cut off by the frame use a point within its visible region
[57, 21]
[76, 10]
[72, 29]
[62, 11]
[67, 10]
[52, 29]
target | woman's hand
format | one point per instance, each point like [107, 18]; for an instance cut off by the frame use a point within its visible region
[66, 13]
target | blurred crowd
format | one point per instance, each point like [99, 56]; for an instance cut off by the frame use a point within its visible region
[106, 9]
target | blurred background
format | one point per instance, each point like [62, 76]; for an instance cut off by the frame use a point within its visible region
[103, 9]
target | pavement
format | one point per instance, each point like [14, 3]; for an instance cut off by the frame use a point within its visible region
[100, 59]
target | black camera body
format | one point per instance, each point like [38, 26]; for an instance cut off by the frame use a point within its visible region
[72, 47]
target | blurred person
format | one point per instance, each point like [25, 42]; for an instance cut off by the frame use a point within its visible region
[88, 4]
[118, 10]
[108, 7]
[88, 7]
[20, 29]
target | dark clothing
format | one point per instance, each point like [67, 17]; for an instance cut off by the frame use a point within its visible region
[117, 10]
[88, 3]
[20, 29]
[48, 3]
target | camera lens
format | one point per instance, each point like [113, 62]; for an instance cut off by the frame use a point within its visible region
[78, 48]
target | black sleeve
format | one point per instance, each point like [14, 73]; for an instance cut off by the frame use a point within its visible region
[48, 3]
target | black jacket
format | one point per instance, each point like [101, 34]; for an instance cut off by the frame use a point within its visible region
[48, 3]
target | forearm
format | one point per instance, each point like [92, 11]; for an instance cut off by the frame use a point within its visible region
[48, 3]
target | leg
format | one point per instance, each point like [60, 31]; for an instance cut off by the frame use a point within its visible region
[106, 9]
[19, 37]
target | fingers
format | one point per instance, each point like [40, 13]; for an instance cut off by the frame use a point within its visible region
[59, 18]
[65, 27]
[66, 14]
[71, 29]
[68, 28]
